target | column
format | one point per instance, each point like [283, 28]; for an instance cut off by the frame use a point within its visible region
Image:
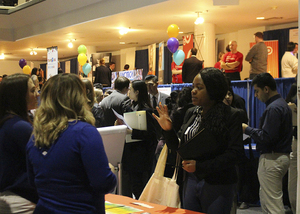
[204, 41]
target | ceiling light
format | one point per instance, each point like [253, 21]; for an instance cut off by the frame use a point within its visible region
[260, 17]
[124, 31]
[2, 56]
[199, 20]
[70, 45]
[32, 52]
[122, 43]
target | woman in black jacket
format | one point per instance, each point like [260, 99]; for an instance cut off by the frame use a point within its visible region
[138, 156]
[211, 144]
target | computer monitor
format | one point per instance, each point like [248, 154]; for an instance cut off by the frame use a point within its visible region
[113, 138]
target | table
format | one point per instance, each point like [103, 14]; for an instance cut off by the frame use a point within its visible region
[119, 199]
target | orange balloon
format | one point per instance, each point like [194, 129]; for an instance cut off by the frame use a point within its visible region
[26, 69]
[173, 30]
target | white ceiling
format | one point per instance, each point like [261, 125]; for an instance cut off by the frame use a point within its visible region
[46, 24]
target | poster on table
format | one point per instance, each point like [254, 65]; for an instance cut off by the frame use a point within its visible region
[52, 62]
[131, 75]
[161, 67]
[151, 58]
[188, 44]
[272, 66]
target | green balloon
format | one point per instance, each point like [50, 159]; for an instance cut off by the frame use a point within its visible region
[82, 49]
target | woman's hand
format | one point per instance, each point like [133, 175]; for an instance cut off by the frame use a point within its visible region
[164, 119]
[118, 122]
[189, 165]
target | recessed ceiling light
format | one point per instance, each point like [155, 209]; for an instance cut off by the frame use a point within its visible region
[122, 43]
[260, 17]
[181, 32]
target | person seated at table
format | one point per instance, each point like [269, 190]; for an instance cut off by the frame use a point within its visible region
[211, 176]
[66, 159]
[18, 95]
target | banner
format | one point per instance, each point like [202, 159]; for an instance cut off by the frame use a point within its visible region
[188, 44]
[272, 66]
[52, 62]
[131, 75]
[151, 58]
[161, 66]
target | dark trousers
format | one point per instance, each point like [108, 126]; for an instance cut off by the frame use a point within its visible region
[200, 196]
[233, 76]
[252, 76]
[134, 182]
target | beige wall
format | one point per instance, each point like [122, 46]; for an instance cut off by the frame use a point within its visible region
[10, 67]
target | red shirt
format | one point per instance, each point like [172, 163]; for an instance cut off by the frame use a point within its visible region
[233, 57]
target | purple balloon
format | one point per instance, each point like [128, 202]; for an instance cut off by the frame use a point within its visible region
[172, 44]
[22, 63]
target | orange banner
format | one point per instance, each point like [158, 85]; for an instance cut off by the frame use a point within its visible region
[188, 44]
[273, 63]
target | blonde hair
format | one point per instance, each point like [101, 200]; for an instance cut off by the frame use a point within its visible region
[63, 98]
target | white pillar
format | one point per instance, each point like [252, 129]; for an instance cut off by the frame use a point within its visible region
[204, 41]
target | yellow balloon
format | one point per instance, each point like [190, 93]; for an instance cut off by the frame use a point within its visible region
[26, 69]
[173, 30]
[82, 58]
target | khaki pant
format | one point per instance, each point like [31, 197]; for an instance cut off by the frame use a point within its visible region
[292, 186]
[271, 169]
[12, 203]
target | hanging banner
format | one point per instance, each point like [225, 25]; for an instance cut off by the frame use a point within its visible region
[188, 44]
[52, 62]
[151, 58]
[161, 66]
[272, 67]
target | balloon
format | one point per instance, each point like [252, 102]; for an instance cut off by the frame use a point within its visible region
[82, 58]
[86, 68]
[26, 69]
[173, 30]
[82, 49]
[178, 57]
[172, 44]
[22, 63]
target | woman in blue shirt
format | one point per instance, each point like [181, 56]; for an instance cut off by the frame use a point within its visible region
[65, 156]
[18, 95]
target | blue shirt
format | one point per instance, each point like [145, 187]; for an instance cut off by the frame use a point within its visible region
[73, 175]
[275, 129]
[14, 135]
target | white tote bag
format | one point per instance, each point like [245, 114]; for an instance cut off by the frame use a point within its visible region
[159, 189]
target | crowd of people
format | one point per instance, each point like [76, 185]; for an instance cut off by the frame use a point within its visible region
[53, 160]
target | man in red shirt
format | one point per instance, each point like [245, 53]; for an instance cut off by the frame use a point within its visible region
[232, 62]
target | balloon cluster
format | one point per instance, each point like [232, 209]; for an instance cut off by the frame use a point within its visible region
[26, 68]
[82, 59]
[173, 44]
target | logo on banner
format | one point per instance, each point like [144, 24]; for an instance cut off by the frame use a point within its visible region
[187, 39]
[270, 50]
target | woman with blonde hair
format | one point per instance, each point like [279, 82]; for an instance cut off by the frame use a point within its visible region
[65, 156]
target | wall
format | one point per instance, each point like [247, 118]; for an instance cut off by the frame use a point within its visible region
[10, 67]
[128, 57]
